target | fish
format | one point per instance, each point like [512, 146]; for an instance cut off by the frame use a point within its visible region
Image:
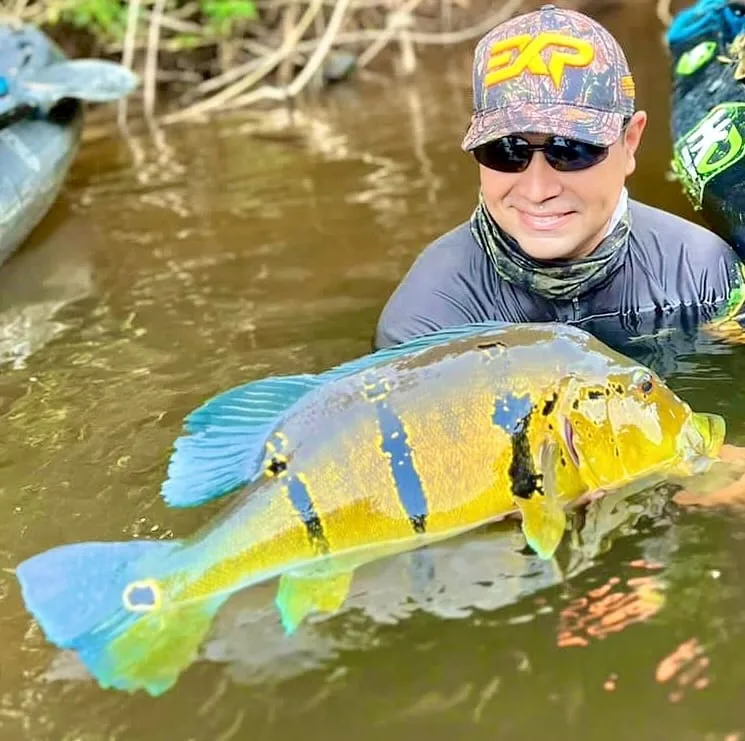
[381, 455]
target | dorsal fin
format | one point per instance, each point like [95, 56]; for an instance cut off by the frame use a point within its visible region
[227, 435]
[410, 347]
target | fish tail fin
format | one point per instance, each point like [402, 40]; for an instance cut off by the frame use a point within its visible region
[104, 601]
[73, 590]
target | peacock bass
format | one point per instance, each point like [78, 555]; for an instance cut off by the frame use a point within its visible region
[380, 455]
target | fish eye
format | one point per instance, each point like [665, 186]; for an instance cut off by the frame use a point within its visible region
[644, 381]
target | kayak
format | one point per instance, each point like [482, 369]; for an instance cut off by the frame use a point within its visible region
[35, 153]
[41, 119]
[707, 48]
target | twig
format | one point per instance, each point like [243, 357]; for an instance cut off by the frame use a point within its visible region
[151, 58]
[421, 37]
[128, 54]
[288, 46]
[663, 12]
[186, 11]
[446, 14]
[172, 45]
[270, 92]
[466, 34]
[289, 18]
[320, 29]
[394, 22]
[173, 23]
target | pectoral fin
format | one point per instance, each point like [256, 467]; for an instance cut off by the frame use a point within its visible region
[299, 595]
[543, 525]
[543, 516]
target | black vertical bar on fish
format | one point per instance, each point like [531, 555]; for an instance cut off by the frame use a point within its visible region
[512, 414]
[298, 493]
[408, 483]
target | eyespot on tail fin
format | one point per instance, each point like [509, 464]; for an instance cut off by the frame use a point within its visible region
[154, 650]
[103, 600]
[226, 436]
[75, 590]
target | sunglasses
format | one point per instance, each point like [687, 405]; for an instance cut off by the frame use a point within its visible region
[513, 154]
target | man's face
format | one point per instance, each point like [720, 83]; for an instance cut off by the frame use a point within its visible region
[561, 215]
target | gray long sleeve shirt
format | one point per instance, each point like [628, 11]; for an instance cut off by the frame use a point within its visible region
[675, 272]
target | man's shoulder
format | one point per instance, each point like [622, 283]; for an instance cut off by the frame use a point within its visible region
[449, 265]
[456, 246]
[671, 233]
[445, 286]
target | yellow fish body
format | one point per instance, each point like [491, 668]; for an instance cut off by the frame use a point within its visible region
[380, 455]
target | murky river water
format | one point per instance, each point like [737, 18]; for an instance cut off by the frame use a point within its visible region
[174, 268]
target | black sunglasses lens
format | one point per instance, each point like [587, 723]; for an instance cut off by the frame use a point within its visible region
[508, 154]
[513, 153]
[567, 155]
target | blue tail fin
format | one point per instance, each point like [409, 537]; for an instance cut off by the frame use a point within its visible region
[72, 590]
[104, 601]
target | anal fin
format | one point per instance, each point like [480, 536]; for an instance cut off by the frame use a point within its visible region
[300, 595]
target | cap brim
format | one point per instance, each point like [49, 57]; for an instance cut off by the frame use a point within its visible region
[585, 124]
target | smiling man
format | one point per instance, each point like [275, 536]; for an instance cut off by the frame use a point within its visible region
[554, 236]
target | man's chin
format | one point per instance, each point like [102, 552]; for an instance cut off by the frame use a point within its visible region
[547, 246]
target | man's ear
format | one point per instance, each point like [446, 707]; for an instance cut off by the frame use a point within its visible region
[632, 137]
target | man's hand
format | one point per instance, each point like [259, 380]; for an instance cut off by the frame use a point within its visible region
[729, 495]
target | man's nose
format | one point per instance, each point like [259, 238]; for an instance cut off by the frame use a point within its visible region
[539, 181]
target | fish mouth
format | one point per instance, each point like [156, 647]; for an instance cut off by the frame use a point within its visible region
[569, 440]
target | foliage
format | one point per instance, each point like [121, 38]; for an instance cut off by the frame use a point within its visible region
[107, 19]
[223, 14]
[216, 55]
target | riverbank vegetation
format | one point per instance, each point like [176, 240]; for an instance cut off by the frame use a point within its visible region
[198, 57]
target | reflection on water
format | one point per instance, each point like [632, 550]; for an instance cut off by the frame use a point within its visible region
[468, 576]
[53, 271]
[185, 261]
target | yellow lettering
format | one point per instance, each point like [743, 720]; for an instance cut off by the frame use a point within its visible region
[502, 66]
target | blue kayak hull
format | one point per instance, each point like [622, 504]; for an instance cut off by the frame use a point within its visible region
[35, 156]
[36, 150]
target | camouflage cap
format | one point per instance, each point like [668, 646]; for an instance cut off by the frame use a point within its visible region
[552, 71]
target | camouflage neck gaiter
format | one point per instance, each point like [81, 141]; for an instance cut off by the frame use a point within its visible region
[554, 279]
